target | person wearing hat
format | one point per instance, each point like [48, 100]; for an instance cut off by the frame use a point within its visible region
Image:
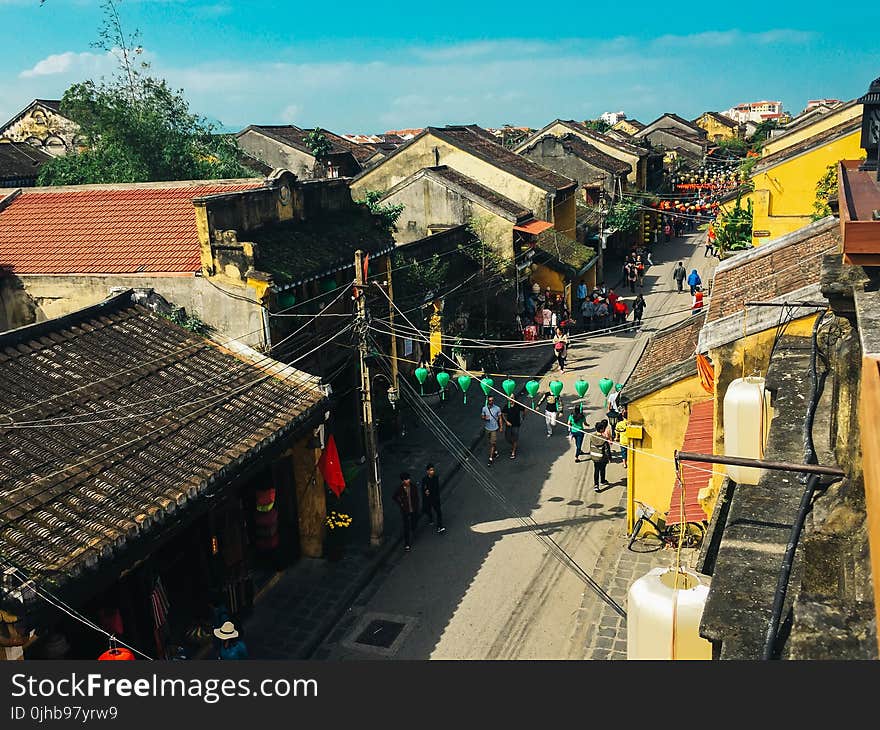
[231, 646]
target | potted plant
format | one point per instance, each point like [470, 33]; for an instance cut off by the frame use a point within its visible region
[337, 524]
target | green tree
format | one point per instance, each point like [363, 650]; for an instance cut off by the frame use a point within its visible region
[137, 128]
[318, 143]
[414, 280]
[624, 215]
[388, 213]
[599, 125]
[733, 229]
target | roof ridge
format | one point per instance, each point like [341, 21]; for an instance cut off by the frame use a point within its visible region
[157, 185]
[751, 254]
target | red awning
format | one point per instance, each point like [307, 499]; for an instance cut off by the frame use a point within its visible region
[534, 227]
[698, 438]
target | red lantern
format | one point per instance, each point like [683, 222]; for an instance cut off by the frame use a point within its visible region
[119, 653]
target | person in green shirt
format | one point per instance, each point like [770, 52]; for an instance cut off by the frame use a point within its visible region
[576, 429]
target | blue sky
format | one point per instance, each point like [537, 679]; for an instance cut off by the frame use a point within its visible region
[374, 66]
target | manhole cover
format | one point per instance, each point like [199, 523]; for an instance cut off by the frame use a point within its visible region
[380, 633]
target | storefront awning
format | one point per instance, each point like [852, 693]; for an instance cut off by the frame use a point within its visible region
[534, 227]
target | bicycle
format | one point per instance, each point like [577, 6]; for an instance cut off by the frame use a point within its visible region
[660, 534]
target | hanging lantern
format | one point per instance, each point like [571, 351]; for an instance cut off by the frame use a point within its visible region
[486, 384]
[117, 653]
[618, 387]
[442, 381]
[556, 387]
[508, 386]
[605, 385]
[421, 375]
[581, 387]
[464, 382]
[532, 388]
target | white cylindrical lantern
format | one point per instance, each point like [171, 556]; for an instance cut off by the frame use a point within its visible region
[664, 609]
[746, 420]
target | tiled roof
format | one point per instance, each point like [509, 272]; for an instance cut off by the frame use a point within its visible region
[668, 347]
[297, 251]
[587, 152]
[120, 229]
[697, 439]
[296, 137]
[20, 160]
[155, 420]
[479, 191]
[817, 140]
[53, 104]
[680, 120]
[480, 143]
[585, 131]
[720, 118]
[771, 270]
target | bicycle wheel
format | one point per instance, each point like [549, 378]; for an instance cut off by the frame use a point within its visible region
[647, 542]
[692, 537]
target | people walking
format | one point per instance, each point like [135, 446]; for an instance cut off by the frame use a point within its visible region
[431, 497]
[560, 348]
[231, 645]
[679, 274]
[710, 241]
[491, 414]
[577, 429]
[407, 499]
[640, 271]
[602, 314]
[694, 281]
[667, 232]
[546, 319]
[588, 313]
[599, 454]
[638, 309]
[552, 409]
[697, 303]
[632, 276]
[513, 415]
[621, 311]
[580, 294]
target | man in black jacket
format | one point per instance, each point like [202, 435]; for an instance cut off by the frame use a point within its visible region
[431, 497]
[407, 499]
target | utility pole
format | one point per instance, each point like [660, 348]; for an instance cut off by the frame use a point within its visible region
[374, 478]
[393, 394]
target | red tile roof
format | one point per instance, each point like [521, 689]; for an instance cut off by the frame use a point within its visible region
[106, 230]
[699, 439]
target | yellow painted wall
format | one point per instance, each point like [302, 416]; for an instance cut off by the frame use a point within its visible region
[420, 154]
[784, 194]
[821, 124]
[565, 217]
[664, 416]
[714, 129]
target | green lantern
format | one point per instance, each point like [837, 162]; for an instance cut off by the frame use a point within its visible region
[556, 387]
[605, 385]
[618, 387]
[421, 376]
[508, 386]
[464, 382]
[532, 388]
[581, 387]
[442, 381]
[486, 384]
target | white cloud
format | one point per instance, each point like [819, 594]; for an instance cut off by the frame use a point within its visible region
[66, 63]
[727, 38]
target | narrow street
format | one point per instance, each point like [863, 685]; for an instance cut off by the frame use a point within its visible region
[486, 588]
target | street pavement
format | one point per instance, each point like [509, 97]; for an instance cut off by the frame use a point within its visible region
[487, 588]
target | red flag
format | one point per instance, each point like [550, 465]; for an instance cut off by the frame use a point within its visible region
[330, 467]
[366, 267]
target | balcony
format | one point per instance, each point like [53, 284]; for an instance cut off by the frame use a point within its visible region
[859, 210]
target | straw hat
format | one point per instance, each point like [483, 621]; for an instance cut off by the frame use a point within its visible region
[226, 631]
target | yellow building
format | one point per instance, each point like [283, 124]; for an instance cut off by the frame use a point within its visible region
[792, 164]
[718, 127]
[738, 338]
[475, 153]
[664, 397]
[628, 126]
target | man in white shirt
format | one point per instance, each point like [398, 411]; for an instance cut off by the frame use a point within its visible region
[491, 414]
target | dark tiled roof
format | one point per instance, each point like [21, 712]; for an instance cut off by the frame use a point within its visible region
[20, 160]
[160, 419]
[667, 348]
[295, 251]
[585, 131]
[296, 137]
[554, 245]
[680, 120]
[635, 123]
[482, 144]
[829, 135]
[115, 229]
[772, 270]
[479, 191]
[587, 152]
[53, 104]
